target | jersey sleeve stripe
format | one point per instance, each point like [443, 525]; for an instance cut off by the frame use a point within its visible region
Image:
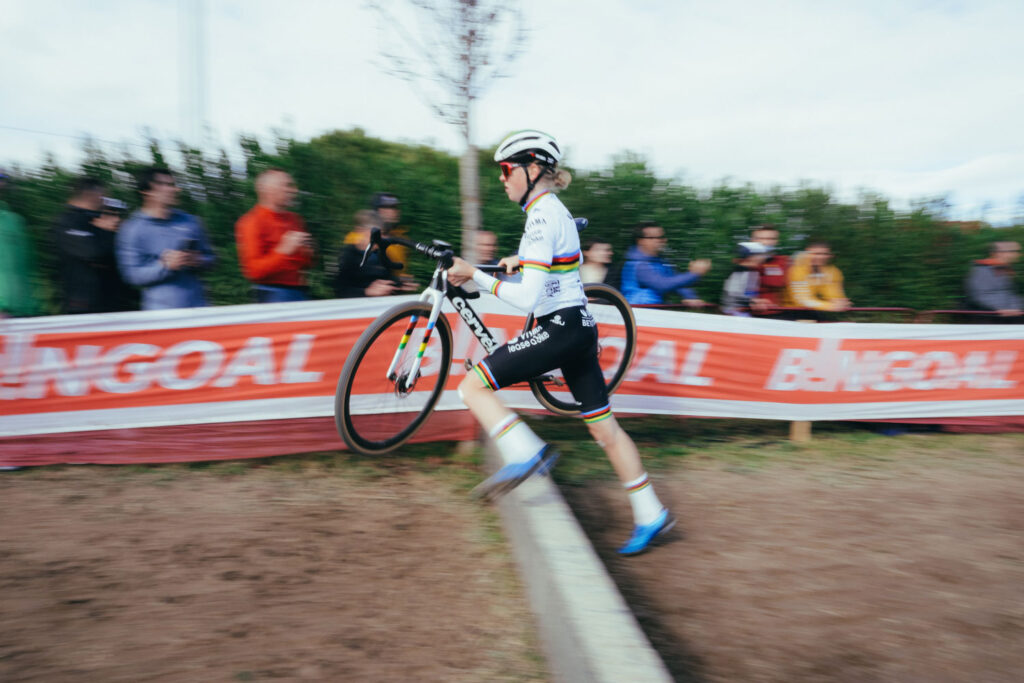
[535, 265]
[565, 263]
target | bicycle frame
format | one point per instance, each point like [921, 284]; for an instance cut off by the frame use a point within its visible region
[435, 293]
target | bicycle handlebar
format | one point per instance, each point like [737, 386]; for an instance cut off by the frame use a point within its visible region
[440, 252]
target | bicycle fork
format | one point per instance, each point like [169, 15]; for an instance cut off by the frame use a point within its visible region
[435, 310]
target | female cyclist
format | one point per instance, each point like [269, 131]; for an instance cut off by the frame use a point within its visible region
[565, 337]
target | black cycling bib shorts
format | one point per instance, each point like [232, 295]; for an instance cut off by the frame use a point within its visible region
[565, 340]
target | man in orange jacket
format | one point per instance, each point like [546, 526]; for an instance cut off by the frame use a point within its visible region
[274, 248]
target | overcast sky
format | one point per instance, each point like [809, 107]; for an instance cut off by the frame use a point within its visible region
[910, 98]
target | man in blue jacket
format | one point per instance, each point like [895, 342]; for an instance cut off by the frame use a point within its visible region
[163, 250]
[647, 278]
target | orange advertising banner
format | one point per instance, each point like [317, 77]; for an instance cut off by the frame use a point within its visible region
[281, 361]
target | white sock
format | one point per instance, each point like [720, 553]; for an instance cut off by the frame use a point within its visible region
[646, 506]
[515, 441]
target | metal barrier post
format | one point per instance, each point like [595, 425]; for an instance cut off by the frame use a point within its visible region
[800, 430]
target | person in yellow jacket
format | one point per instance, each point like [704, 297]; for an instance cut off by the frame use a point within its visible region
[388, 211]
[813, 283]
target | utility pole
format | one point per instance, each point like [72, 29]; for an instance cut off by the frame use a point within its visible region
[192, 71]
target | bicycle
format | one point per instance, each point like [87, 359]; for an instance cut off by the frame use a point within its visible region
[384, 397]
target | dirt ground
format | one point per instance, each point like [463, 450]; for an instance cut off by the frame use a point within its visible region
[831, 570]
[179, 574]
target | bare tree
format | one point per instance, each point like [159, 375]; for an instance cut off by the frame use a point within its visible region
[450, 53]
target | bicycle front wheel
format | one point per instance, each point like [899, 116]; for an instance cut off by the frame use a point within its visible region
[616, 346]
[376, 412]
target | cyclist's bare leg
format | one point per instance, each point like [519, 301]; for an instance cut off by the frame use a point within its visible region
[650, 516]
[619, 448]
[522, 451]
[487, 408]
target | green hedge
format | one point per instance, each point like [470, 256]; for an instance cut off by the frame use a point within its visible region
[914, 259]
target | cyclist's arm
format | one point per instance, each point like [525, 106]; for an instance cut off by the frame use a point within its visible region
[525, 294]
[535, 254]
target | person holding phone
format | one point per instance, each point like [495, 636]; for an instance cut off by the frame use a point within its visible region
[274, 248]
[163, 250]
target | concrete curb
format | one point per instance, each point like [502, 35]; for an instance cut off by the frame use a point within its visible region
[586, 629]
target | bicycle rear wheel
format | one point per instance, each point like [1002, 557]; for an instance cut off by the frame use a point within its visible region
[376, 413]
[616, 346]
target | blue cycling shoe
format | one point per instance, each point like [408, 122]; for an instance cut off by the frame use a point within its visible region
[514, 474]
[645, 534]
[548, 458]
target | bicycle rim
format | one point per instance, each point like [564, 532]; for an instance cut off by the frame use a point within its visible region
[616, 346]
[375, 414]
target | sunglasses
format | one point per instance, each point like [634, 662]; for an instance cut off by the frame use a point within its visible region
[507, 167]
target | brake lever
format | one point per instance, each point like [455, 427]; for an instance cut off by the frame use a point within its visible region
[377, 239]
[374, 241]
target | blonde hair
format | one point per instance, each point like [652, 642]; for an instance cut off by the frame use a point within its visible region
[561, 179]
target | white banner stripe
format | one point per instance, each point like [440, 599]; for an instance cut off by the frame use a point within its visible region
[342, 309]
[193, 413]
[678, 320]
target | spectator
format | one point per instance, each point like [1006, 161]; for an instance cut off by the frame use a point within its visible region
[274, 248]
[389, 213]
[84, 235]
[597, 256]
[485, 243]
[161, 249]
[17, 263]
[370, 278]
[990, 281]
[773, 271]
[647, 278]
[814, 284]
[741, 292]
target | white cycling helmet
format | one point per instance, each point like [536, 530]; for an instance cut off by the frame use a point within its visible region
[529, 143]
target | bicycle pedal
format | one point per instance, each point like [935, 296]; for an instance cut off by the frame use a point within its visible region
[557, 381]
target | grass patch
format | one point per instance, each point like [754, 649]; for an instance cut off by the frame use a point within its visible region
[665, 443]
[743, 446]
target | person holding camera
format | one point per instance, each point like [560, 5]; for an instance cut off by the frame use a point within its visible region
[163, 250]
[274, 248]
[84, 235]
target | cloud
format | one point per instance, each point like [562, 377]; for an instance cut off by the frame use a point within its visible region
[911, 98]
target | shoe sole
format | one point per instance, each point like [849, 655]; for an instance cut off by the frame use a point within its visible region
[491, 492]
[657, 539]
[486, 490]
[548, 461]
